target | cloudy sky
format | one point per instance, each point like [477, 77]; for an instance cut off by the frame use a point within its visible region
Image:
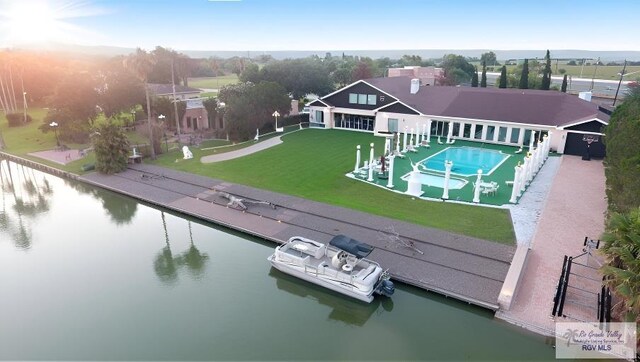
[325, 24]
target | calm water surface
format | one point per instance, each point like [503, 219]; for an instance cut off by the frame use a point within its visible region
[88, 274]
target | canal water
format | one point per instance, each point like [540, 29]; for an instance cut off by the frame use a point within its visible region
[87, 274]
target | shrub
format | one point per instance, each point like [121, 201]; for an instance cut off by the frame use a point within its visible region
[17, 119]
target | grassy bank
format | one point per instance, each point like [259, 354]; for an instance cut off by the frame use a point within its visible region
[312, 163]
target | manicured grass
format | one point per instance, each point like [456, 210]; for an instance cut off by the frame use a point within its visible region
[312, 164]
[213, 82]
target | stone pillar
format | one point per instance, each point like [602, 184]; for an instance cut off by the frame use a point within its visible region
[447, 175]
[404, 141]
[371, 164]
[414, 186]
[476, 191]
[398, 142]
[387, 146]
[428, 131]
[390, 180]
[357, 166]
[416, 140]
[516, 184]
[450, 132]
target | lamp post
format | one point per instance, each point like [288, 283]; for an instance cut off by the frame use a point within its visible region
[24, 105]
[166, 143]
[276, 114]
[54, 125]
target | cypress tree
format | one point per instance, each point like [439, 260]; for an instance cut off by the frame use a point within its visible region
[503, 77]
[564, 84]
[524, 77]
[483, 80]
[474, 78]
[546, 74]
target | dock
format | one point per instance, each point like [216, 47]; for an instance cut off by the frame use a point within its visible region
[462, 267]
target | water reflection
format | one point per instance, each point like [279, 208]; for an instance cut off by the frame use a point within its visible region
[166, 265]
[27, 193]
[120, 209]
[344, 309]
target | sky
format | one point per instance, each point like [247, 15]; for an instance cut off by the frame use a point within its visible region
[325, 24]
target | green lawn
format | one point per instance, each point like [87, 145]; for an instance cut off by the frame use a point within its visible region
[312, 164]
[213, 82]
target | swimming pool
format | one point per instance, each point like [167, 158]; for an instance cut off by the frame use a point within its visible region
[466, 160]
[437, 181]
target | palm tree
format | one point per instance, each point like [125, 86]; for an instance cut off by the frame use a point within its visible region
[141, 64]
[622, 250]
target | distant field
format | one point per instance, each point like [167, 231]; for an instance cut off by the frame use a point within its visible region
[609, 72]
[213, 82]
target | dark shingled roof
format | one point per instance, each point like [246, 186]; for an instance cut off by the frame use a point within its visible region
[529, 106]
[162, 89]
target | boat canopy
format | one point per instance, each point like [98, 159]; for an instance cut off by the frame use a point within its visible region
[351, 246]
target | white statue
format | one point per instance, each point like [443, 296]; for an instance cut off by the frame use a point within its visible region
[187, 154]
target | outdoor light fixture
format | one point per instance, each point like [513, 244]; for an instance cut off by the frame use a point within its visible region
[54, 125]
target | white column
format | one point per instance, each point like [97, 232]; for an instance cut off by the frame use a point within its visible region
[411, 139]
[390, 181]
[523, 174]
[476, 191]
[450, 132]
[531, 139]
[387, 146]
[371, 166]
[546, 152]
[355, 169]
[529, 163]
[398, 142]
[428, 131]
[404, 141]
[447, 175]
[516, 185]
[416, 143]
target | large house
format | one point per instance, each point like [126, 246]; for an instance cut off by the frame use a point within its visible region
[492, 115]
[427, 75]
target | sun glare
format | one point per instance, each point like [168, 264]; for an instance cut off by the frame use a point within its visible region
[38, 21]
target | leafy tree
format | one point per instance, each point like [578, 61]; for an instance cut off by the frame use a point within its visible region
[140, 64]
[251, 73]
[474, 79]
[298, 76]
[546, 73]
[524, 76]
[250, 106]
[361, 71]
[622, 164]
[165, 58]
[111, 147]
[451, 62]
[503, 77]
[164, 106]
[211, 105]
[119, 91]
[73, 108]
[564, 84]
[622, 271]
[483, 79]
[342, 75]
[489, 58]
[409, 60]
[571, 62]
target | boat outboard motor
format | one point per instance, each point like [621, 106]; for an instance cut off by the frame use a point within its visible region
[386, 288]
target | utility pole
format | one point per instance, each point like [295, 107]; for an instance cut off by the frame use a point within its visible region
[620, 82]
[582, 69]
[175, 100]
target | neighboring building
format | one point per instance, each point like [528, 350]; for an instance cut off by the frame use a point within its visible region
[427, 75]
[492, 115]
[195, 117]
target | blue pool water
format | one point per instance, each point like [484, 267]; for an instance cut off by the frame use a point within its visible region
[438, 181]
[466, 160]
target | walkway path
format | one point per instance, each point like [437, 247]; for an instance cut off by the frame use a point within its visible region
[59, 157]
[525, 215]
[243, 151]
[574, 209]
[462, 267]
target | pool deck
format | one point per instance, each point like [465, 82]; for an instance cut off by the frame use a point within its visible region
[465, 268]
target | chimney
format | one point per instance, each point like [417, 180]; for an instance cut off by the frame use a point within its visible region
[585, 95]
[415, 85]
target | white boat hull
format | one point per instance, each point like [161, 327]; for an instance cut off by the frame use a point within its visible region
[323, 281]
